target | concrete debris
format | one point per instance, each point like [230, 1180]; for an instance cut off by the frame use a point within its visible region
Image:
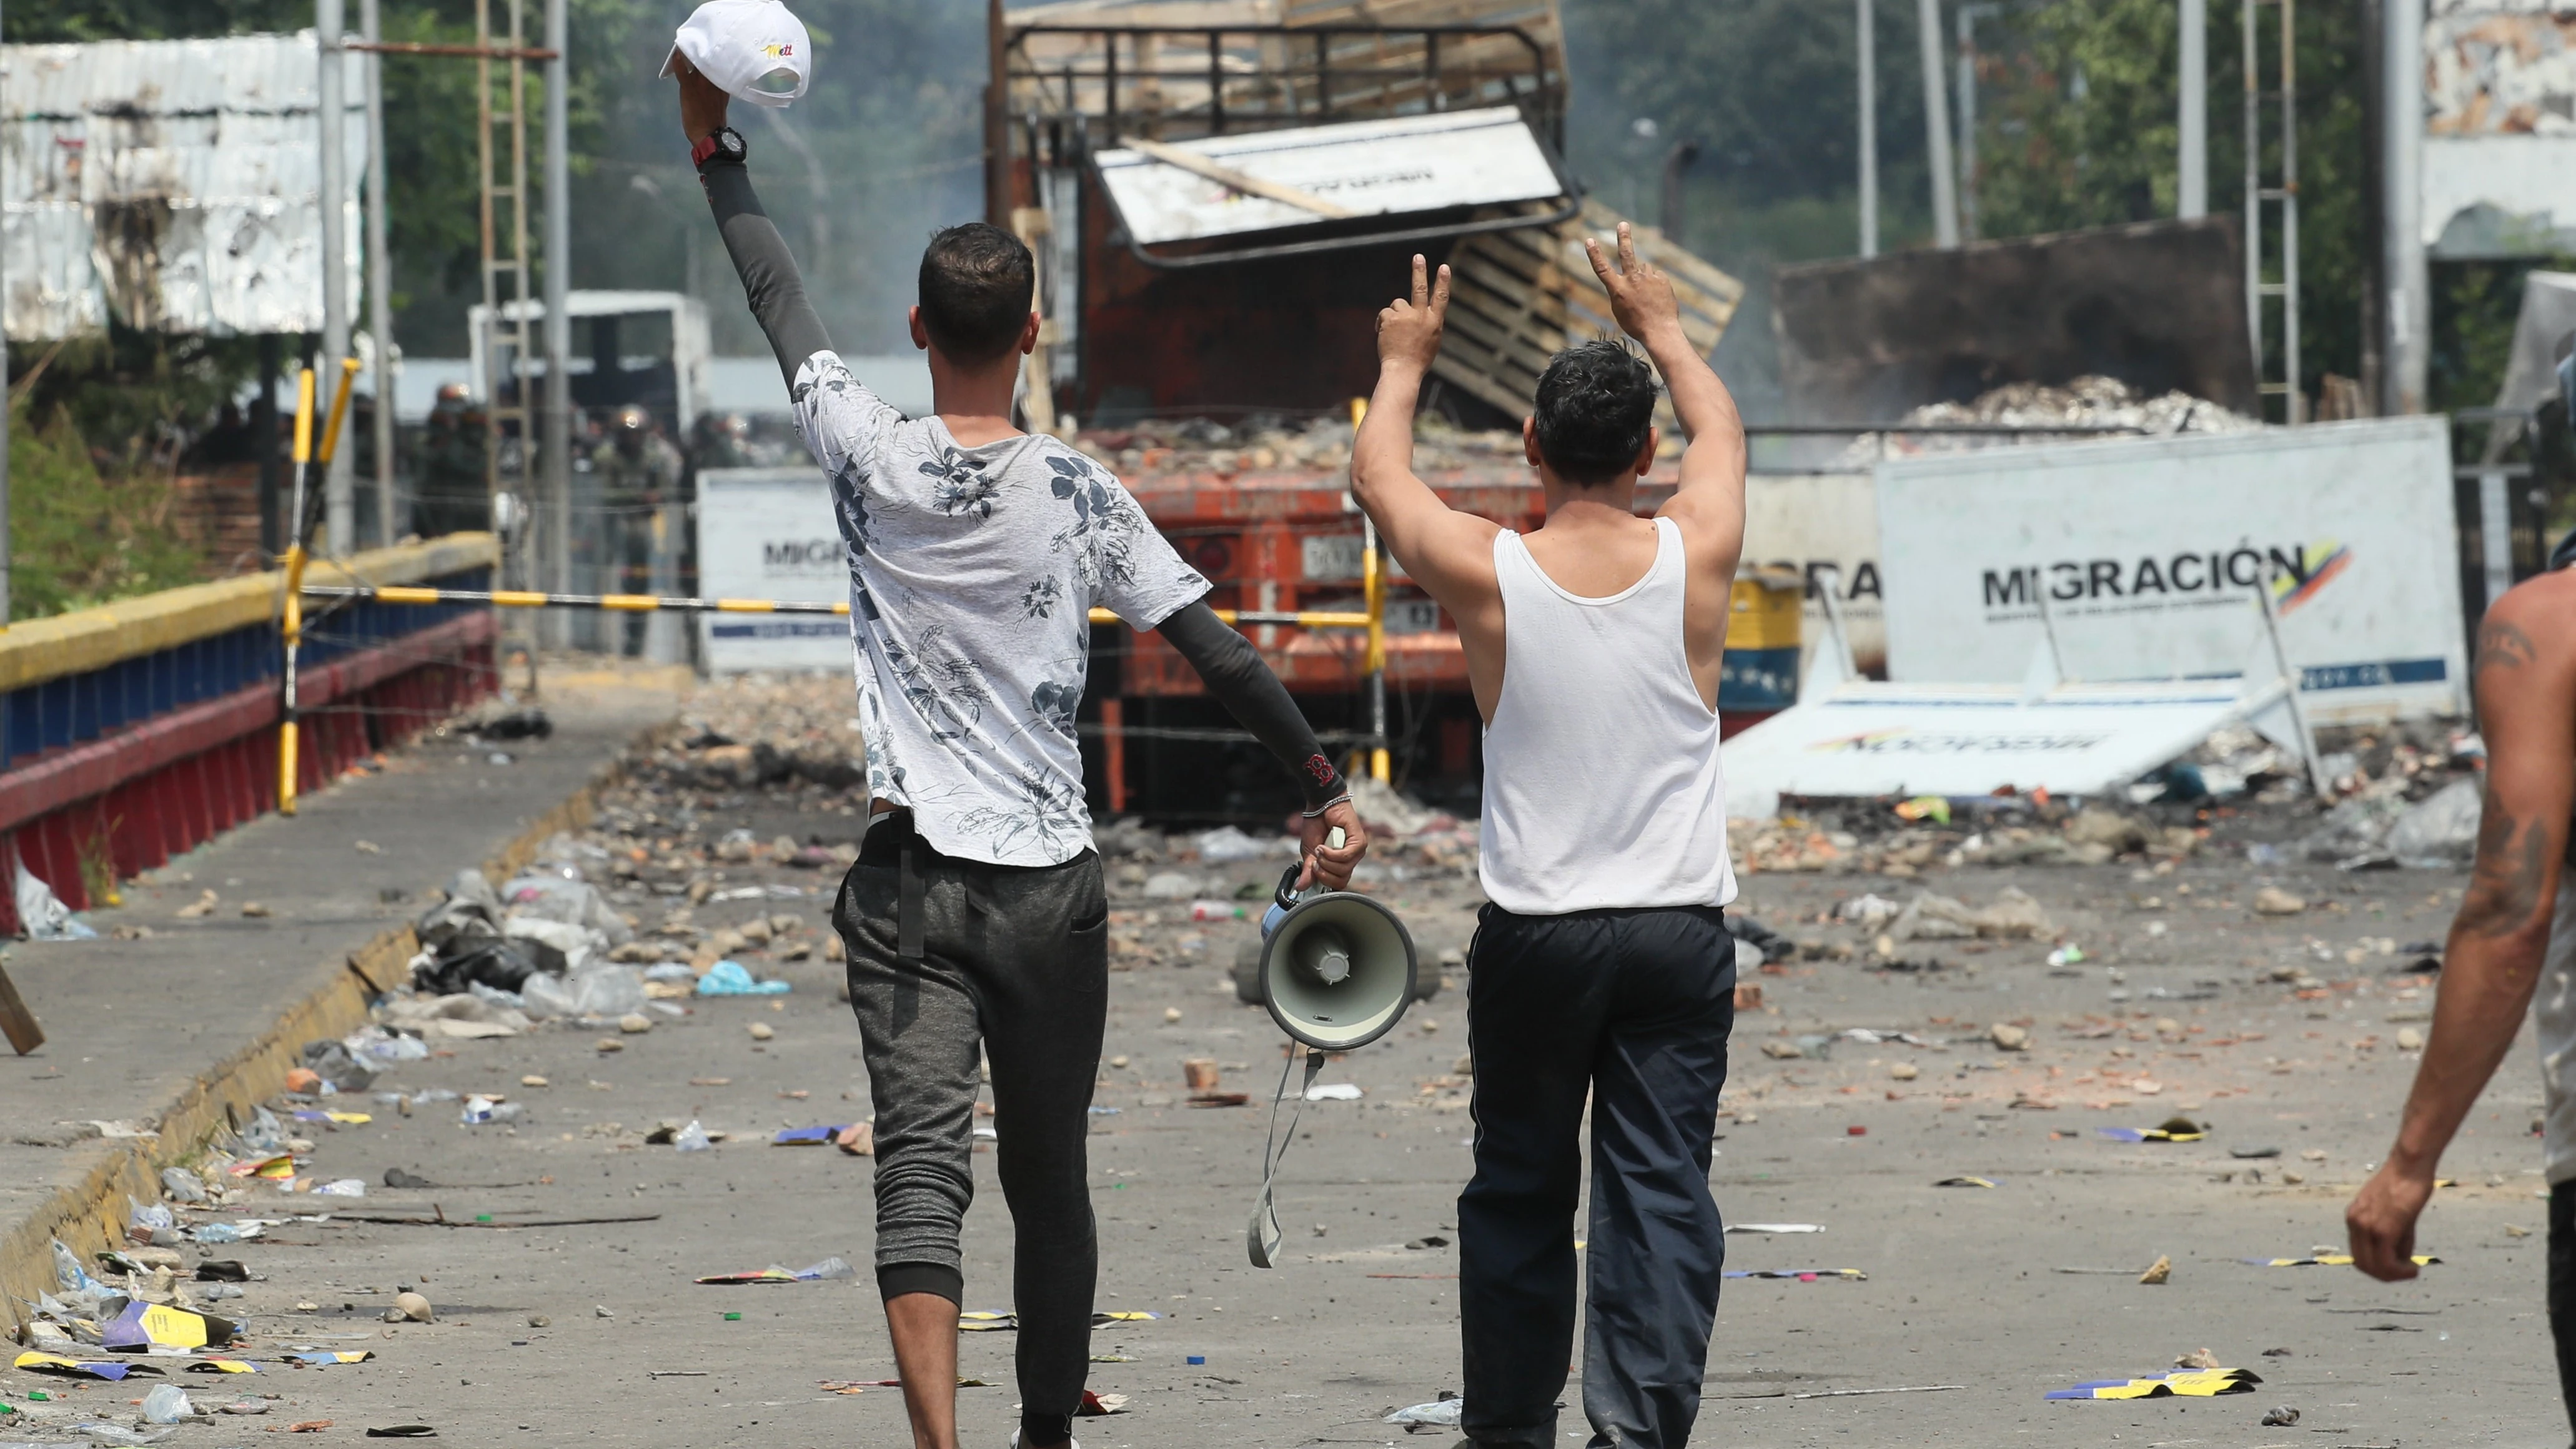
[2087, 403]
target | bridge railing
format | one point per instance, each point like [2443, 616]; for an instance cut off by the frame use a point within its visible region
[136, 731]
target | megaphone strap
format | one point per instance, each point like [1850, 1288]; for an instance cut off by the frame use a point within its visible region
[1264, 1214]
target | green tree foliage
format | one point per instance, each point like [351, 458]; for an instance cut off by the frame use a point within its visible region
[82, 535]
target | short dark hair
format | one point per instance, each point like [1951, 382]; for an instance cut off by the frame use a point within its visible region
[1596, 403]
[976, 285]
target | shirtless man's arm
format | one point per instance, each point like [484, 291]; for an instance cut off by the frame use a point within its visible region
[1709, 503]
[1450, 554]
[2526, 684]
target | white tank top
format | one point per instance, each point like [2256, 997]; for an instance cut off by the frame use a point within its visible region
[1602, 785]
[2553, 1012]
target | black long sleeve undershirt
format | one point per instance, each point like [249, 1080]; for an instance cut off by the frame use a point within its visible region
[770, 281]
[1237, 678]
[1224, 659]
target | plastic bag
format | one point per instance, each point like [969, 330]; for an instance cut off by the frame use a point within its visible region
[43, 915]
[167, 1404]
[606, 990]
[2440, 831]
[730, 978]
[692, 1138]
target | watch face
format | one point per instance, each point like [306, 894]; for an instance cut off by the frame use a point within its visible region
[730, 142]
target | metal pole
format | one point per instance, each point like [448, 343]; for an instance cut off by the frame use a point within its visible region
[2294, 399]
[1936, 126]
[339, 498]
[2253, 194]
[2191, 188]
[2409, 308]
[1867, 44]
[1676, 161]
[557, 461]
[1968, 120]
[1373, 589]
[380, 270]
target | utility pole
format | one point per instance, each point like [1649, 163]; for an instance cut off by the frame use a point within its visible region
[1936, 126]
[2191, 189]
[380, 274]
[339, 497]
[557, 461]
[2401, 177]
[1868, 129]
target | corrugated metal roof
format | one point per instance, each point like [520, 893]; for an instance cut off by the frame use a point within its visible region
[176, 181]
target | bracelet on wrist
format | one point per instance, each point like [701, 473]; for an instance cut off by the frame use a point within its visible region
[1317, 813]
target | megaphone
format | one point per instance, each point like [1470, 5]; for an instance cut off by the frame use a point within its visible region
[1337, 973]
[1336, 967]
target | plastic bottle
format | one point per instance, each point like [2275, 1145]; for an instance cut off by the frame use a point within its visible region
[692, 1138]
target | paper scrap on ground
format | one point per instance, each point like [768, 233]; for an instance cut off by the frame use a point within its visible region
[829, 1268]
[54, 1363]
[1775, 1227]
[1444, 1413]
[2189, 1383]
[1965, 1182]
[1803, 1275]
[2328, 1260]
[807, 1136]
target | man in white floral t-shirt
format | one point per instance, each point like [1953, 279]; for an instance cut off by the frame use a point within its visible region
[975, 918]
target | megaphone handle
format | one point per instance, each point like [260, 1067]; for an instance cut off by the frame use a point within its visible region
[1286, 895]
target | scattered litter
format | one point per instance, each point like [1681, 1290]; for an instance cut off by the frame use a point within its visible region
[2439, 832]
[1965, 1182]
[830, 1269]
[168, 1404]
[403, 1431]
[980, 1320]
[342, 1187]
[692, 1138]
[1097, 1405]
[2172, 1129]
[2250, 1153]
[2008, 1037]
[1774, 1228]
[1862, 1393]
[54, 1363]
[2160, 1272]
[858, 1139]
[1333, 1092]
[45, 918]
[729, 978]
[1219, 1099]
[2066, 956]
[806, 1136]
[480, 1110]
[2280, 1418]
[1441, 1414]
[2191, 1383]
[2328, 1260]
[147, 1325]
[1803, 1275]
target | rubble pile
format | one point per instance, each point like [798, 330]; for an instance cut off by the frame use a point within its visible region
[1263, 444]
[2086, 403]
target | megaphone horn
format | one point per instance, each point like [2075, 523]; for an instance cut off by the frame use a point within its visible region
[1337, 968]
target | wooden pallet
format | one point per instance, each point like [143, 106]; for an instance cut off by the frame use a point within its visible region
[1517, 298]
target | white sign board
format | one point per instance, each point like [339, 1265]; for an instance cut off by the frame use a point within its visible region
[2142, 554]
[1814, 522]
[1368, 168]
[767, 533]
[1868, 740]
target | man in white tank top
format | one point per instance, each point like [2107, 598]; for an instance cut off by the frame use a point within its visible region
[2516, 932]
[1602, 968]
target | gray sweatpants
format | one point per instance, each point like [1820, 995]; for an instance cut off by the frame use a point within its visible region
[1014, 959]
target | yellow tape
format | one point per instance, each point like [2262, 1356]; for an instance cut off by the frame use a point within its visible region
[304, 416]
[518, 599]
[405, 595]
[751, 606]
[632, 603]
[339, 410]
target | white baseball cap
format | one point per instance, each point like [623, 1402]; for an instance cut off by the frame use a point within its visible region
[751, 49]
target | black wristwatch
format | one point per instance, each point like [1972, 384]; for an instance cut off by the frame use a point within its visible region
[723, 146]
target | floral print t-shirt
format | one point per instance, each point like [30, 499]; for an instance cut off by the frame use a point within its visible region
[973, 572]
